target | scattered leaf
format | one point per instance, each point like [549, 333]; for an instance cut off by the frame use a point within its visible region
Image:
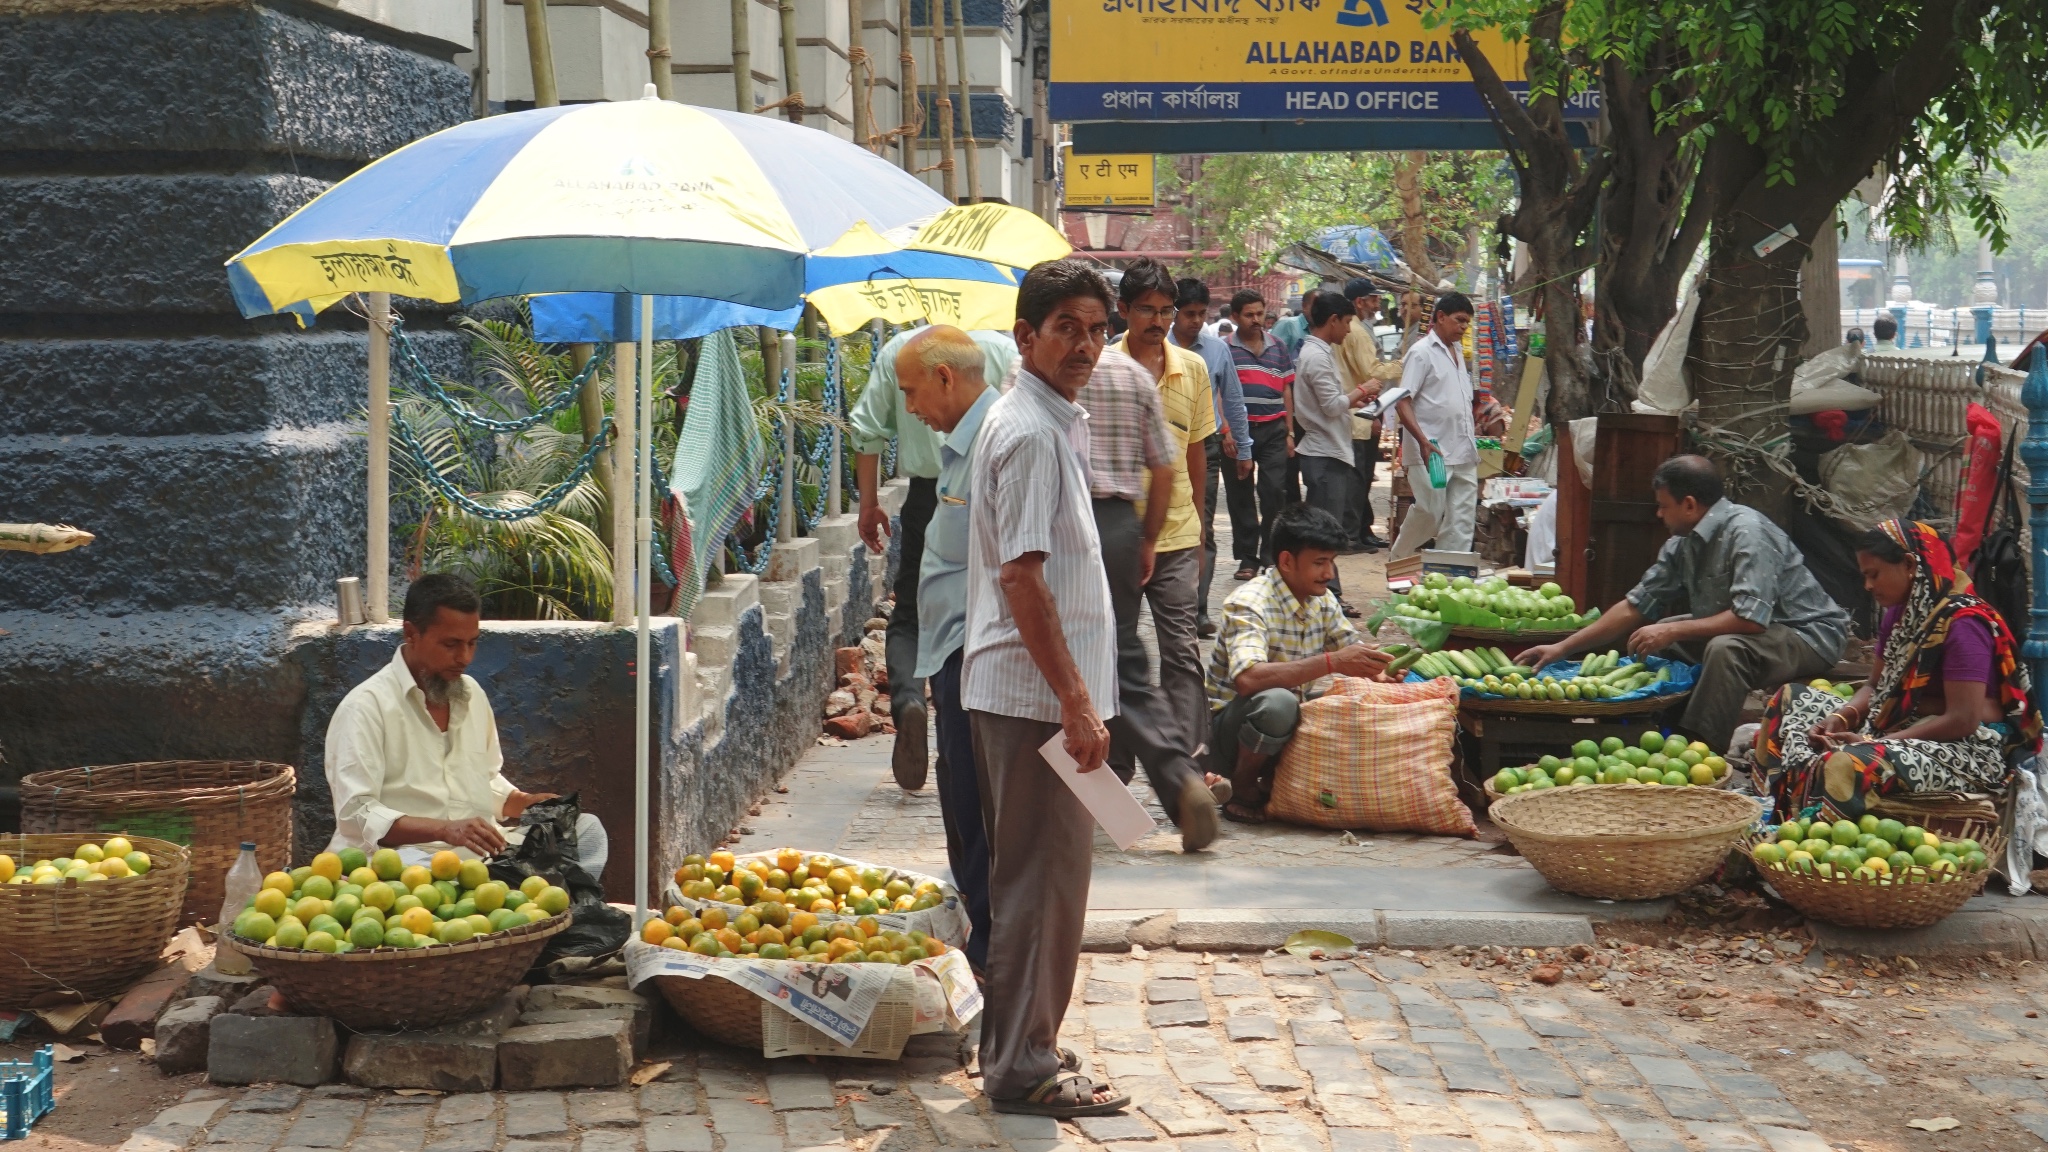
[66, 1054]
[148, 1047]
[648, 1073]
[1313, 939]
[1938, 1124]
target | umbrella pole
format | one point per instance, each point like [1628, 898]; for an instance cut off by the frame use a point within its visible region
[622, 474]
[643, 604]
[785, 526]
[378, 608]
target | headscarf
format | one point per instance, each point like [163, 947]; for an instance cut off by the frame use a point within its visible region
[1939, 597]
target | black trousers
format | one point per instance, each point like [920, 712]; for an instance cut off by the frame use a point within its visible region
[1140, 728]
[1243, 497]
[967, 850]
[1275, 476]
[918, 506]
[1331, 486]
[1365, 456]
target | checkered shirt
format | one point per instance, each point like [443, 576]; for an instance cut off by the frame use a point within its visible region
[1126, 428]
[1263, 623]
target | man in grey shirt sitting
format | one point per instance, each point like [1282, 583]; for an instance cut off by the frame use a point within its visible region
[1754, 617]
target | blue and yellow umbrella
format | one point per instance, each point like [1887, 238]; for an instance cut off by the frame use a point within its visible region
[646, 197]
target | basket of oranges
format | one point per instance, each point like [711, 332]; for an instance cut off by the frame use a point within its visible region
[376, 944]
[85, 916]
[774, 887]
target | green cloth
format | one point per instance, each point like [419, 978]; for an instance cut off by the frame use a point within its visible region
[878, 416]
[717, 467]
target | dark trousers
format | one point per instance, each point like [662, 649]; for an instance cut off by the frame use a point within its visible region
[1332, 484]
[960, 806]
[1365, 456]
[1243, 496]
[1142, 727]
[1275, 476]
[918, 506]
[1218, 464]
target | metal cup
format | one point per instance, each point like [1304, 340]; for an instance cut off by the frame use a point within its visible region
[348, 601]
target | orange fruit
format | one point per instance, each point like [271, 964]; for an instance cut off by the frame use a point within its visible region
[769, 934]
[730, 939]
[713, 918]
[677, 914]
[329, 865]
[656, 931]
[799, 922]
[445, 865]
[823, 905]
[868, 927]
[788, 859]
[722, 860]
[675, 942]
[418, 921]
[840, 947]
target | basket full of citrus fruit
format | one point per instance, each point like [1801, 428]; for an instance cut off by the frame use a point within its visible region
[1876, 873]
[85, 915]
[1655, 758]
[376, 943]
[832, 888]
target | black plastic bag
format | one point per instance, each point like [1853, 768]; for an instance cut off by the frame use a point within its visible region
[549, 851]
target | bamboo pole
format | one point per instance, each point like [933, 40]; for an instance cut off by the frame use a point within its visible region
[660, 70]
[540, 52]
[482, 92]
[590, 407]
[624, 488]
[942, 101]
[643, 604]
[792, 79]
[909, 107]
[785, 525]
[966, 105]
[377, 580]
[860, 68]
[742, 58]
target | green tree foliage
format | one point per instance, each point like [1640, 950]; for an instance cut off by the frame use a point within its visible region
[1253, 205]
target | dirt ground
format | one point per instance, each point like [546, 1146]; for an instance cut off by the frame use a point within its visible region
[102, 1097]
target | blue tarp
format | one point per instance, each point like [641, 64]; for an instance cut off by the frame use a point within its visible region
[595, 317]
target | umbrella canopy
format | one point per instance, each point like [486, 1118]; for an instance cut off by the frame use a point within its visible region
[642, 196]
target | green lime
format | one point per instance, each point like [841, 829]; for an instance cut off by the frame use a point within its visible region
[1845, 832]
[1652, 742]
[1676, 779]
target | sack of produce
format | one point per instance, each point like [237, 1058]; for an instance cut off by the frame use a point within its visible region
[1377, 756]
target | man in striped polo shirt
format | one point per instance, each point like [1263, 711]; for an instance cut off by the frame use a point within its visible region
[1266, 372]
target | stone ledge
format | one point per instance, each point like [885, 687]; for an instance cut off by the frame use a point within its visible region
[1473, 929]
[790, 559]
[1965, 933]
[723, 603]
[1254, 929]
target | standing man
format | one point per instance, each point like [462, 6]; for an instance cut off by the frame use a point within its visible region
[1132, 462]
[1357, 357]
[1436, 417]
[940, 373]
[1322, 405]
[1229, 449]
[1040, 666]
[1266, 372]
[877, 418]
[1145, 298]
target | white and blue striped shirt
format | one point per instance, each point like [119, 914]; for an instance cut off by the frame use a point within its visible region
[1031, 495]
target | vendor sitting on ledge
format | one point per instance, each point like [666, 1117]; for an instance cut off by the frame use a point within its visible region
[1283, 632]
[412, 753]
[1946, 705]
[1757, 619]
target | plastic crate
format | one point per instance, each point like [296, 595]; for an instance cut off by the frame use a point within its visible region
[28, 1091]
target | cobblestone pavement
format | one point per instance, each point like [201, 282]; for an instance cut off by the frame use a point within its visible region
[1721, 1046]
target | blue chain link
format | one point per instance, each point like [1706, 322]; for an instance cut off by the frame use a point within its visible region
[546, 502]
[423, 382]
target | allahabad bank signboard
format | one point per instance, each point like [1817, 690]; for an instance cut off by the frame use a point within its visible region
[1266, 60]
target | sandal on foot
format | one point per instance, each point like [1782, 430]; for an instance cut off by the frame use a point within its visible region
[1063, 1096]
[1070, 1060]
[1243, 814]
[1222, 790]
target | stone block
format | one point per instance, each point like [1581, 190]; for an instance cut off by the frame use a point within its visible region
[790, 559]
[211, 981]
[1253, 929]
[535, 1114]
[134, 1017]
[183, 1034]
[603, 1110]
[788, 1092]
[272, 1049]
[444, 1059]
[676, 1134]
[586, 1054]
[639, 1020]
[1966, 933]
[1475, 929]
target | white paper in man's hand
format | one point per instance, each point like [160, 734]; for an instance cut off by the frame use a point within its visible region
[1105, 797]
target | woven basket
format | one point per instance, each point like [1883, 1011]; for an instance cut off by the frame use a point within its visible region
[382, 989]
[1625, 841]
[94, 939]
[716, 1007]
[211, 806]
[1854, 903]
[1570, 708]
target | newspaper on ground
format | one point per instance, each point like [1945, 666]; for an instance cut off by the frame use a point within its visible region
[838, 1001]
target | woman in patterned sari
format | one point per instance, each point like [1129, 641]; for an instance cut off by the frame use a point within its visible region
[1947, 702]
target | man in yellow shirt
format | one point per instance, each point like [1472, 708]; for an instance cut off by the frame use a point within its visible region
[1146, 302]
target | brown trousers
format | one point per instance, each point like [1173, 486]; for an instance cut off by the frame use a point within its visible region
[1733, 666]
[1041, 844]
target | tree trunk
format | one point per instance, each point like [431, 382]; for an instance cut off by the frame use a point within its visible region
[1414, 221]
[742, 58]
[792, 77]
[1745, 344]
[540, 54]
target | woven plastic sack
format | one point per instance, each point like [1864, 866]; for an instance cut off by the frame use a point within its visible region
[1375, 756]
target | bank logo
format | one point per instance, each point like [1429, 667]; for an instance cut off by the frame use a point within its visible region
[1361, 14]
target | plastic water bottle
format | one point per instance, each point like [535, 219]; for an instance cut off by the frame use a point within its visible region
[1438, 474]
[243, 881]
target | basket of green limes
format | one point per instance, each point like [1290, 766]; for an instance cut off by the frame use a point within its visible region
[1655, 758]
[1877, 872]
